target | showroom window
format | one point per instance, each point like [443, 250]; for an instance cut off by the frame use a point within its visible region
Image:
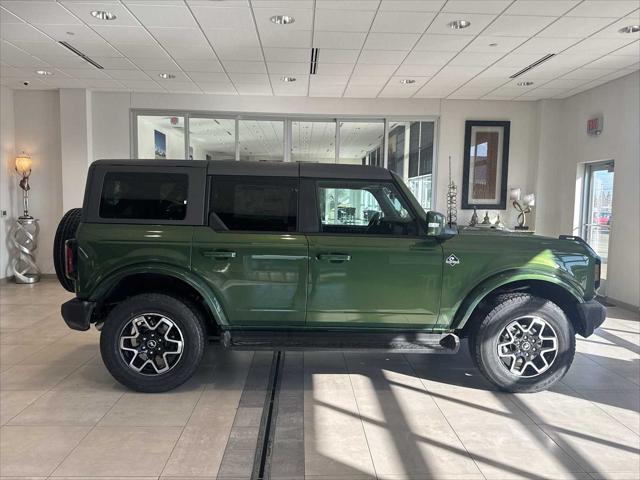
[261, 140]
[212, 138]
[255, 204]
[313, 141]
[358, 139]
[161, 136]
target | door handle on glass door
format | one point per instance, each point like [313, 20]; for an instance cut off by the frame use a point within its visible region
[334, 257]
[219, 254]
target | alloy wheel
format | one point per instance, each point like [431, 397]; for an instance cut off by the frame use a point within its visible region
[528, 346]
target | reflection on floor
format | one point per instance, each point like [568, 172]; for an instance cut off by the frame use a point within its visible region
[340, 416]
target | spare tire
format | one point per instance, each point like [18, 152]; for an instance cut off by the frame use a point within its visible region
[66, 231]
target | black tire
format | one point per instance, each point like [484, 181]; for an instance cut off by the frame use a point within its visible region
[190, 326]
[485, 335]
[66, 231]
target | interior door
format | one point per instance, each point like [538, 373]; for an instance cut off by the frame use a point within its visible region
[367, 265]
[251, 253]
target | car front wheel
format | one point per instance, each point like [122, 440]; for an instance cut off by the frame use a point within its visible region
[524, 344]
[152, 342]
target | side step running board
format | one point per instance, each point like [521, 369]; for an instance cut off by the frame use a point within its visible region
[407, 342]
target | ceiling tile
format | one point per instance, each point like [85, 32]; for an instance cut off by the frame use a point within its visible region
[517, 60]
[429, 58]
[279, 4]
[182, 37]
[599, 45]
[631, 49]
[179, 76]
[115, 63]
[478, 23]
[163, 15]
[296, 55]
[201, 52]
[361, 91]
[237, 18]
[391, 41]
[143, 85]
[493, 44]
[350, 5]
[71, 61]
[233, 38]
[497, 72]
[154, 63]
[518, 25]
[412, 5]
[84, 73]
[362, 69]
[126, 74]
[260, 78]
[442, 43]
[338, 56]
[457, 73]
[402, 22]
[418, 70]
[116, 35]
[83, 11]
[535, 7]
[544, 45]
[140, 51]
[182, 87]
[239, 53]
[41, 50]
[253, 89]
[285, 38]
[211, 65]
[368, 80]
[475, 59]
[542, 92]
[208, 77]
[97, 49]
[576, 27]
[382, 57]
[584, 73]
[22, 32]
[473, 6]
[339, 40]
[6, 17]
[335, 68]
[614, 61]
[343, 20]
[467, 92]
[565, 83]
[265, 10]
[485, 82]
[71, 33]
[335, 80]
[217, 88]
[398, 91]
[41, 13]
[604, 8]
[244, 67]
[433, 90]
[288, 68]
[613, 30]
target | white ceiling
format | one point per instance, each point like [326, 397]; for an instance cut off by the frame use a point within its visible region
[365, 46]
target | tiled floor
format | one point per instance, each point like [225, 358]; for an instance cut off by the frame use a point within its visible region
[340, 416]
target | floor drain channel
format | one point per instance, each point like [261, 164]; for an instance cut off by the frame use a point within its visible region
[262, 462]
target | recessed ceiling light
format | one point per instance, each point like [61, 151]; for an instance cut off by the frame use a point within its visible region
[630, 29]
[103, 15]
[493, 44]
[282, 19]
[524, 84]
[288, 79]
[44, 73]
[459, 24]
[166, 76]
[407, 81]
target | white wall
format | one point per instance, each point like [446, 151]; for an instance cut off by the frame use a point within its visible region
[567, 147]
[8, 181]
[37, 132]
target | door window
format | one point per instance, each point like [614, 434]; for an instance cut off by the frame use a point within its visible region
[254, 204]
[364, 208]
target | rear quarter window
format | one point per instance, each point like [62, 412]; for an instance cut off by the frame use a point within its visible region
[144, 196]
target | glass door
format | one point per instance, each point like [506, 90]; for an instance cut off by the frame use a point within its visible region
[597, 212]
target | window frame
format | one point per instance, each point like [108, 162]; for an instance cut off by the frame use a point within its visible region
[208, 206]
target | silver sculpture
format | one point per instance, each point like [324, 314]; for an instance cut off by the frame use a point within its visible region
[528, 201]
[25, 234]
[452, 201]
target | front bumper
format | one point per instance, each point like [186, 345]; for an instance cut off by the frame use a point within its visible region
[77, 313]
[591, 315]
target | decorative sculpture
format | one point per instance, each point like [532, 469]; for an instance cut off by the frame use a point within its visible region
[474, 218]
[25, 233]
[452, 200]
[528, 202]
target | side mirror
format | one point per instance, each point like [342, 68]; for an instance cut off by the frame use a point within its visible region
[437, 226]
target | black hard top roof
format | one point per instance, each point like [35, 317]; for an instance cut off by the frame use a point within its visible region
[271, 169]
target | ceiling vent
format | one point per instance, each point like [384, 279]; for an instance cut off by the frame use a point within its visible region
[83, 56]
[314, 61]
[533, 65]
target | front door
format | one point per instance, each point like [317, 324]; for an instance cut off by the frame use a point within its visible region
[251, 253]
[367, 264]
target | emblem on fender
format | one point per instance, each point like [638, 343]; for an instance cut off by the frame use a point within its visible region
[452, 260]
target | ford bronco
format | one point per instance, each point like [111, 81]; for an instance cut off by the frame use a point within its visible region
[281, 256]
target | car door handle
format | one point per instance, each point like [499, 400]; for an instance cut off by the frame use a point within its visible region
[334, 257]
[219, 254]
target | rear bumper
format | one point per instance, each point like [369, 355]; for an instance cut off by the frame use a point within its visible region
[77, 313]
[592, 314]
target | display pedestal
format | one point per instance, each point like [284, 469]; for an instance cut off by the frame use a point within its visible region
[25, 240]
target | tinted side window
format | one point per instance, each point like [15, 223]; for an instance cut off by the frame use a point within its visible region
[255, 203]
[145, 196]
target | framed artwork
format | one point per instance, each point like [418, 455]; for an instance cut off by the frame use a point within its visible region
[486, 163]
[160, 143]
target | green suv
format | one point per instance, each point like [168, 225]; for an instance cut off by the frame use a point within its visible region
[286, 256]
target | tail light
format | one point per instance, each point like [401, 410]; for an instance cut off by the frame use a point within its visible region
[70, 259]
[596, 274]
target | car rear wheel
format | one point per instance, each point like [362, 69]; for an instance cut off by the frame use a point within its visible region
[66, 231]
[152, 342]
[524, 344]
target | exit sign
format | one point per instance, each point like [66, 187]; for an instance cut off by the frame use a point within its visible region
[594, 126]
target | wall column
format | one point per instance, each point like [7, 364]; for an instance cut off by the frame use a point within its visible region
[76, 144]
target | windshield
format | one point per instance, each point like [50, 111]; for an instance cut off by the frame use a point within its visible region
[414, 202]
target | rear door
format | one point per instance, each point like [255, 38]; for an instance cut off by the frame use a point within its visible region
[251, 252]
[368, 265]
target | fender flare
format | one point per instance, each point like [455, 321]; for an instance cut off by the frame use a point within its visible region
[211, 298]
[465, 308]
